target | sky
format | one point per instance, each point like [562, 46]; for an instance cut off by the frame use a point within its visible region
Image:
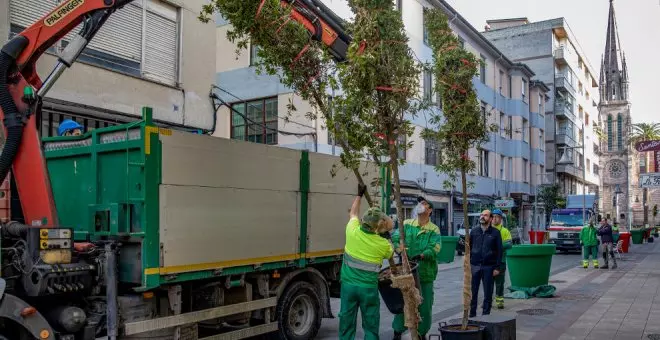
[639, 31]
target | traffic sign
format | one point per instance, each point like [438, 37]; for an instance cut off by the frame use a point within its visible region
[649, 180]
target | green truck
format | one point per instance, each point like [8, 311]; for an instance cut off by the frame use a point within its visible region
[174, 235]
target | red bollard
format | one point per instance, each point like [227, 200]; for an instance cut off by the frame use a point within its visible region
[532, 238]
[540, 237]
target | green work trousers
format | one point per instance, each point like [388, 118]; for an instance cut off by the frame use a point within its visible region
[425, 311]
[589, 250]
[365, 299]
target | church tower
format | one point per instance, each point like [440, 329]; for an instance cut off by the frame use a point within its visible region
[616, 156]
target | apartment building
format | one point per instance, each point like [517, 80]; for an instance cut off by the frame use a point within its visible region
[150, 53]
[553, 52]
[508, 165]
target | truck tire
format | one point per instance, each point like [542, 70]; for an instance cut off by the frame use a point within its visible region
[298, 312]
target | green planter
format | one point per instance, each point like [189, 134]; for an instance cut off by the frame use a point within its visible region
[448, 249]
[637, 236]
[529, 264]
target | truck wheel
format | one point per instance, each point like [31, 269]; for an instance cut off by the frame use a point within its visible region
[299, 312]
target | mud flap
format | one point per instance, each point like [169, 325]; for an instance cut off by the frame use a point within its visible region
[35, 324]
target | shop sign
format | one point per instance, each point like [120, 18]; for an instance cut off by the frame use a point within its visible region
[650, 180]
[505, 204]
[646, 146]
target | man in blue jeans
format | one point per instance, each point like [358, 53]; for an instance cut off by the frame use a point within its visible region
[485, 260]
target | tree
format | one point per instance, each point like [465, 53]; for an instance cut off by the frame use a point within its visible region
[461, 126]
[550, 197]
[645, 132]
[378, 82]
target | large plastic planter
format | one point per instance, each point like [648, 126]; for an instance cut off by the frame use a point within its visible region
[625, 245]
[637, 236]
[529, 264]
[448, 249]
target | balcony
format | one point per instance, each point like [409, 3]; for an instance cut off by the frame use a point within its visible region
[570, 169]
[564, 109]
[565, 137]
[561, 55]
[563, 82]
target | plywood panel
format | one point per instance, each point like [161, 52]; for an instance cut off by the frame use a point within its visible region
[190, 159]
[344, 182]
[208, 225]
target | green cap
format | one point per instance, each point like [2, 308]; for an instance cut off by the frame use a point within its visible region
[372, 217]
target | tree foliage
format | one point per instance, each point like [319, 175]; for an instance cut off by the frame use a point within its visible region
[645, 132]
[550, 196]
[461, 126]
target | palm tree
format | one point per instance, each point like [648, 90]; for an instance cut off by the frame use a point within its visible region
[645, 131]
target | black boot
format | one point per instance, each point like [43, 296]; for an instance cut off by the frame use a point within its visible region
[613, 261]
[397, 336]
[605, 260]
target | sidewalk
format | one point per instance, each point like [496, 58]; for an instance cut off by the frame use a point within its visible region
[596, 303]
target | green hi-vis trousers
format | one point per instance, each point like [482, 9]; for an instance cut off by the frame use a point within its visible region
[589, 250]
[425, 311]
[365, 299]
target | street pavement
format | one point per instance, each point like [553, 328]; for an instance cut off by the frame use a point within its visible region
[589, 303]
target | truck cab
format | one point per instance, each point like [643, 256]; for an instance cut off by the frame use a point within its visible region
[566, 224]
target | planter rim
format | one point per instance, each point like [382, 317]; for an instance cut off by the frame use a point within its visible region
[444, 327]
[525, 250]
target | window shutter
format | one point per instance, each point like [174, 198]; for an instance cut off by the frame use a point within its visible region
[26, 12]
[161, 43]
[121, 35]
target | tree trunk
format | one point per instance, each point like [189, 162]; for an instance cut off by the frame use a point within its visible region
[467, 269]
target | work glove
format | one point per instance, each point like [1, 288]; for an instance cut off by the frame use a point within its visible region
[361, 189]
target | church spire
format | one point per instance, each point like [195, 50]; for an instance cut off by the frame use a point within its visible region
[614, 73]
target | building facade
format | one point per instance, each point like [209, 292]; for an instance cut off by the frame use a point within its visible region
[551, 50]
[150, 53]
[509, 165]
[623, 199]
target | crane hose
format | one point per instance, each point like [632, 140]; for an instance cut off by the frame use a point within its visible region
[12, 117]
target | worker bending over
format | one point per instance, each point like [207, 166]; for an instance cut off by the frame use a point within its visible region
[507, 243]
[364, 253]
[423, 245]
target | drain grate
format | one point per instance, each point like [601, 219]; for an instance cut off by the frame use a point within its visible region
[654, 336]
[537, 311]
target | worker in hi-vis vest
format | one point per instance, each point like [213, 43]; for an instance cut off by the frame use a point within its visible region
[366, 248]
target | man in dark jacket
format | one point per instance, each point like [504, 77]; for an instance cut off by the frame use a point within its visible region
[485, 260]
[607, 243]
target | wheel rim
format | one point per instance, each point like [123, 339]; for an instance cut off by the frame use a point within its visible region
[301, 315]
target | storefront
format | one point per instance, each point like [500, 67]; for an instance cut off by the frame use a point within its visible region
[440, 209]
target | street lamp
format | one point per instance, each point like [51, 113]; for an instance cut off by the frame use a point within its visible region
[565, 160]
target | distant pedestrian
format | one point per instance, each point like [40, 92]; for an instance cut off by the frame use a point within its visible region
[607, 243]
[485, 261]
[589, 243]
[507, 243]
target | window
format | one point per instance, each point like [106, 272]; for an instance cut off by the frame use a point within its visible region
[613, 92]
[619, 132]
[525, 168]
[510, 128]
[261, 123]
[525, 130]
[402, 147]
[254, 54]
[483, 112]
[596, 169]
[426, 31]
[541, 140]
[610, 131]
[510, 86]
[502, 168]
[501, 82]
[541, 100]
[586, 119]
[588, 164]
[581, 112]
[524, 90]
[509, 169]
[428, 85]
[482, 69]
[502, 125]
[482, 163]
[138, 40]
[432, 152]
[642, 164]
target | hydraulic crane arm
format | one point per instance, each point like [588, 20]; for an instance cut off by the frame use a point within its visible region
[18, 102]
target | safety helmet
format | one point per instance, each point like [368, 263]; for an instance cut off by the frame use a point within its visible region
[498, 212]
[68, 125]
